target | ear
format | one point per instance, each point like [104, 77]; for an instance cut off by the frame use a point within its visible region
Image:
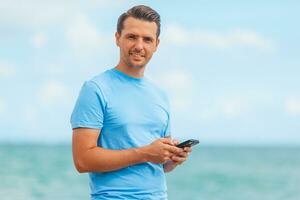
[157, 43]
[117, 38]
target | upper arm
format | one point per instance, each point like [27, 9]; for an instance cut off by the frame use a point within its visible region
[87, 120]
[83, 139]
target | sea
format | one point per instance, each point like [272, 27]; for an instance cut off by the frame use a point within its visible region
[46, 172]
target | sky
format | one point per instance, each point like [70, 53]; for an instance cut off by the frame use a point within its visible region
[230, 68]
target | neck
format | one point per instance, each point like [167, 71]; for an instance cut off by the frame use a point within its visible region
[136, 72]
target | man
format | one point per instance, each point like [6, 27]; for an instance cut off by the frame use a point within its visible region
[121, 120]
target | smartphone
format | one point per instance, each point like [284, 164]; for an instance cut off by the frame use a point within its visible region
[188, 143]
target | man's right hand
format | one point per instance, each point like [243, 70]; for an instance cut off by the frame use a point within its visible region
[161, 150]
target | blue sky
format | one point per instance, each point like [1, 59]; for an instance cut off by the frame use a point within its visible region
[231, 69]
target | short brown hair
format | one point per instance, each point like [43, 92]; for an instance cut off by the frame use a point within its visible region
[141, 12]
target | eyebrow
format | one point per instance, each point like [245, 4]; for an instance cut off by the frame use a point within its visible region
[136, 35]
[148, 38]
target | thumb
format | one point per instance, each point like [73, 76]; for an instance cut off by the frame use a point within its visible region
[175, 142]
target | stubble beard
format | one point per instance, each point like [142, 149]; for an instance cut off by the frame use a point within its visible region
[138, 67]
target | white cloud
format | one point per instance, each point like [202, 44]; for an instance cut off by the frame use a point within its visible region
[234, 105]
[179, 85]
[6, 69]
[249, 38]
[177, 35]
[34, 14]
[292, 106]
[83, 35]
[182, 88]
[104, 3]
[229, 107]
[176, 80]
[39, 40]
[55, 68]
[53, 93]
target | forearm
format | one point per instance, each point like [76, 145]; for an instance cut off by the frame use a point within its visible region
[99, 159]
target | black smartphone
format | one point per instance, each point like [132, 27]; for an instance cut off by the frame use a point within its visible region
[188, 143]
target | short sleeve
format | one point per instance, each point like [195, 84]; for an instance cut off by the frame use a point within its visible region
[168, 128]
[89, 108]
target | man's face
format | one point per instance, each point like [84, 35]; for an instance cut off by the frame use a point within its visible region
[137, 42]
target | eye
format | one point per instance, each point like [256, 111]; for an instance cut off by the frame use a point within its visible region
[131, 37]
[148, 39]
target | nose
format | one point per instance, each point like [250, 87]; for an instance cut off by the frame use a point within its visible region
[139, 44]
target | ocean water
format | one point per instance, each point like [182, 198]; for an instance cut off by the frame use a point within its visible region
[44, 172]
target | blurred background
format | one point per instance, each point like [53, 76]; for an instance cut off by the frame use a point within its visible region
[231, 70]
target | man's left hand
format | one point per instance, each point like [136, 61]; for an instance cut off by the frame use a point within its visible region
[177, 159]
[181, 157]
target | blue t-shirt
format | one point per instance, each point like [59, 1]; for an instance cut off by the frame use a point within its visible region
[131, 112]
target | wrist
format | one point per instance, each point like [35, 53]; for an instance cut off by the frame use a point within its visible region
[143, 154]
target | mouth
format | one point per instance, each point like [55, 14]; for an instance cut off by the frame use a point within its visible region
[136, 55]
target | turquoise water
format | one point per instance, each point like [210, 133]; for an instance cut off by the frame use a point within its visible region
[32, 172]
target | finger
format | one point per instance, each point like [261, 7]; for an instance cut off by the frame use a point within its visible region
[188, 149]
[173, 149]
[175, 142]
[166, 158]
[167, 141]
[183, 154]
[167, 153]
[178, 159]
